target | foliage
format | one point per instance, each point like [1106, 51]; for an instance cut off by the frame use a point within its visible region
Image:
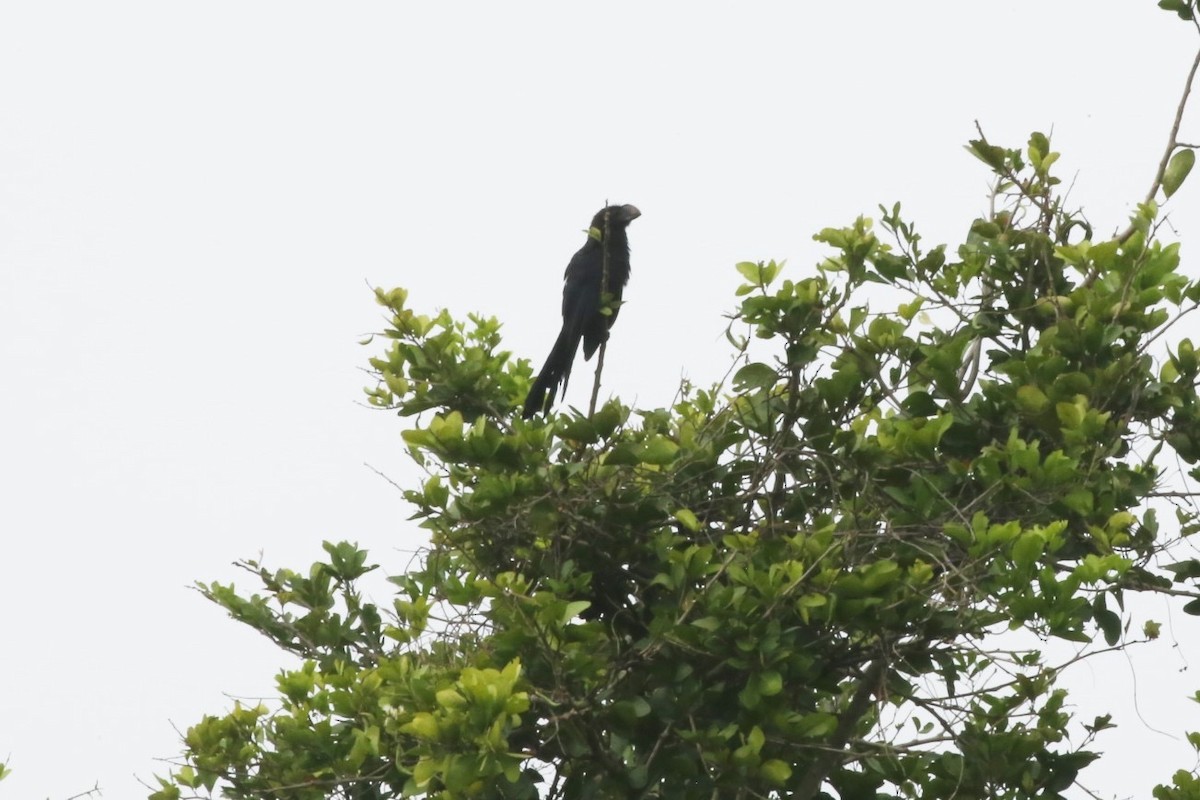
[837, 575]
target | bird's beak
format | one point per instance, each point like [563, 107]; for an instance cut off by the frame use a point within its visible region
[630, 213]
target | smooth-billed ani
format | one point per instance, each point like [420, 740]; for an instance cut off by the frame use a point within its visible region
[581, 306]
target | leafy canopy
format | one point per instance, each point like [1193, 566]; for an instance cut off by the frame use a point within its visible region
[840, 573]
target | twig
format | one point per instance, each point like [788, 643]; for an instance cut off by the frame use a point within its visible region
[596, 382]
[385, 477]
[603, 293]
[968, 373]
[1172, 145]
[94, 790]
[1173, 141]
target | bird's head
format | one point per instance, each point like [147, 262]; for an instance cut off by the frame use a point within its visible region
[618, 218]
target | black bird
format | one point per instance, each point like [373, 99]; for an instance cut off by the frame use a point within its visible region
[582, 290]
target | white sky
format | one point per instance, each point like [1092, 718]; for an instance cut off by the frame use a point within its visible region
[195, 197]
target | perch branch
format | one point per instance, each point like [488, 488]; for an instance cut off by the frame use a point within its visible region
[603, 305]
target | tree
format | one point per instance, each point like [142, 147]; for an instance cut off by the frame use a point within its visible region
[799, 583]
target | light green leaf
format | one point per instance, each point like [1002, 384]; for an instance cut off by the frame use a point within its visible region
[750, 271]
[574, 609]
[909, 310]
[1028, 548]
[1070, 415]
[770, 683]
[423, 725]
[775, 771]
[659, 450]
[1031, 399]
[1177, 170]
[754, 375]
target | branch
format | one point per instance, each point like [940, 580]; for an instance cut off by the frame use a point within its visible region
[827, 760]
[596, 382]
[603, 293]
[1172, 146]
[94, 790]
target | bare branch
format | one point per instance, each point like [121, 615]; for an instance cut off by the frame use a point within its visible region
[1172, 145]
[596, 382]
[603, 304]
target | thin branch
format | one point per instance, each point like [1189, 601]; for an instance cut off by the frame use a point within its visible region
[378, 472]
[1172, 146]
[828, 760]
[1173, 141]
[596, 382]
[968, 373]
[604, 242]
[94, 790]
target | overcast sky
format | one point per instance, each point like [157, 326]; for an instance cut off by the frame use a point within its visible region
[195, 199]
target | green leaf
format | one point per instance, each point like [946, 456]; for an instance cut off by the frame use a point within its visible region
[987, 153]
[754, 376]
[574, 609]
[1028, 549]
[1031, 399]
[687, 519]
[751, 271]
[770, 683]
[1070, 415]
[579, 429]
[899, 495]
[423, 725]
[1177, 170]
[606, 420]
[659, 451]
[775, 771]
[186, 776]
[624, 454]
[459, 773]
[633, 709]
[1081, 501]
[1110, 624]
[1185, 570]
[1183, 8]
[909, 310]
[920, 404]
[167, 792]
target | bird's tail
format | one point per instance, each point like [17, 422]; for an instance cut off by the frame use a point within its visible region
[555, 372]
